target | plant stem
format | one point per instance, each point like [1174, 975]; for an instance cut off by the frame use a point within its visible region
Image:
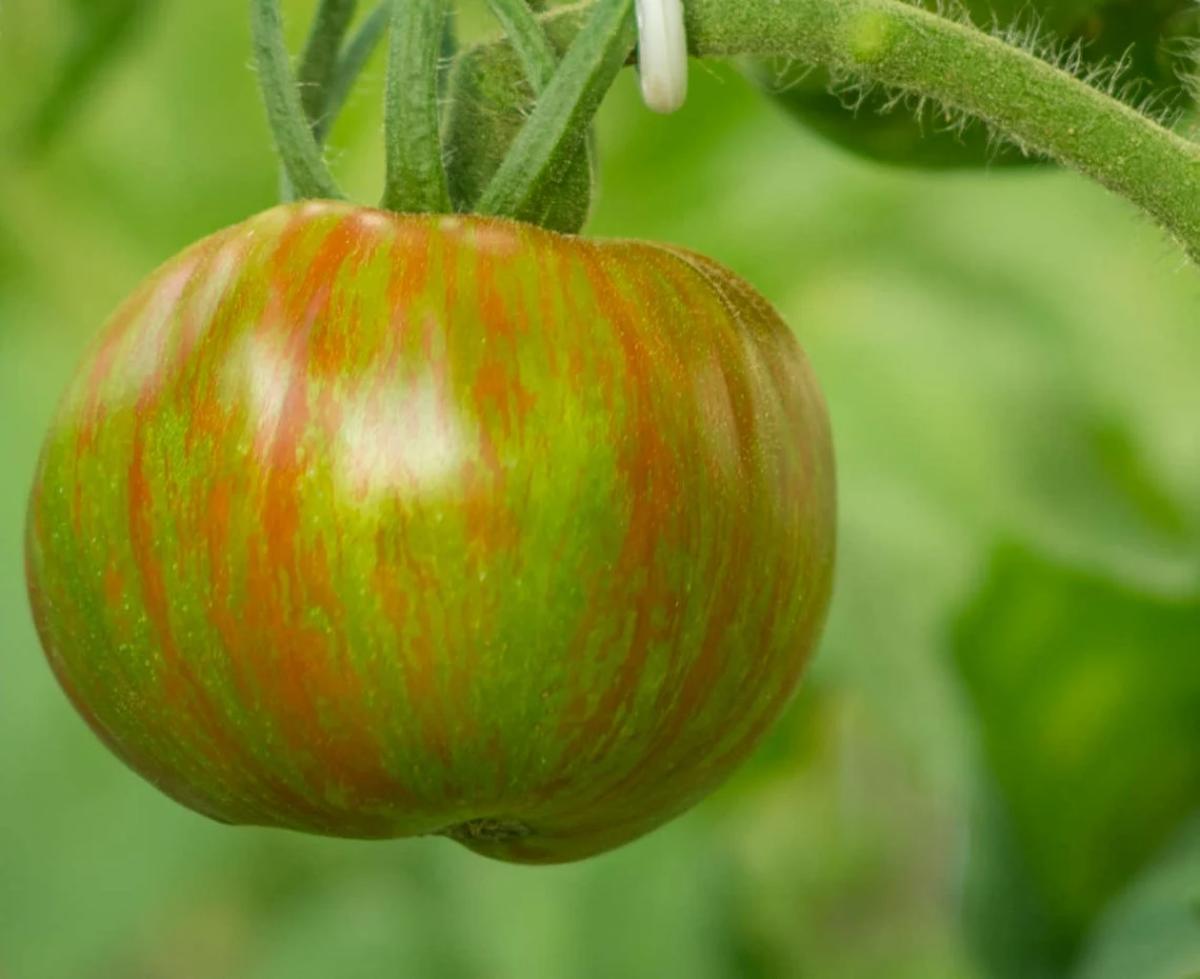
[894, 43]
[416, 174]
[529, 40]
[523, 187]
[320, 59]
[349, 66]
[298, 149]
[1038, 105]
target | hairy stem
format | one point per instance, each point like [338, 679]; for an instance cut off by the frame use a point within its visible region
[524, 186]
[350, 65]
[416, 174]
[319, 61]
[1032, 102]
[536, 53]
[294, 139]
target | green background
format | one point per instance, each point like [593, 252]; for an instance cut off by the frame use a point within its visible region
[993, 768]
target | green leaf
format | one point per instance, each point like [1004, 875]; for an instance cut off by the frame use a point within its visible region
[1153, 930]
[1086, 692]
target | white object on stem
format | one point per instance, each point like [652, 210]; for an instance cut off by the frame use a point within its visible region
[662, 54]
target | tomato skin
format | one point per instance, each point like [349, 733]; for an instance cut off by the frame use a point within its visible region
[374, 525]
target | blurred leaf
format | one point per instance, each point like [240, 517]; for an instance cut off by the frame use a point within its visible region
[1006, 920]
[1153, 931]
[102, 29]
[1087, 696]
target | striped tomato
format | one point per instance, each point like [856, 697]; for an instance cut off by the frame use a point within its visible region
[376, 525]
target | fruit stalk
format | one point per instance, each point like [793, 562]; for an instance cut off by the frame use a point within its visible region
[416, 173]
[350, 65]
[304, 167]
[1028, 100]
[320, 60]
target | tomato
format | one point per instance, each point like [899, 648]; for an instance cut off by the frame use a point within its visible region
[376, 525]
[1154, 35]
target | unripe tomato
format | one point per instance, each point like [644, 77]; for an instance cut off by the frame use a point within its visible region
[376, 526]
[1154, 36]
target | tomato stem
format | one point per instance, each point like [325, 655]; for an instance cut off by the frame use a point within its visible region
[525, 184]
[902, 46]
[350, 64]
[316, 69]
[893, 43]
[416, 173]
[294, 139]
[319, 62]
[537, 56]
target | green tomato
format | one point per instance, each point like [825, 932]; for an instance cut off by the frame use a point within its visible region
[375, 525]
[1148, 32]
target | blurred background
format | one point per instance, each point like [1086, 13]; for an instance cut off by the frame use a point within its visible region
[993, 768]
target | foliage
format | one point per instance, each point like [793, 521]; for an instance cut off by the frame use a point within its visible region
[1153, 930]
[1086, 691]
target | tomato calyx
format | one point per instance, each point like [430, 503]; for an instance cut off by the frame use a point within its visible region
[531, 164]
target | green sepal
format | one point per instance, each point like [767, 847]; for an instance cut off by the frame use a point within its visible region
[489, 99]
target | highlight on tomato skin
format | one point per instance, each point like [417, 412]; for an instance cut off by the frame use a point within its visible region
[375, 525]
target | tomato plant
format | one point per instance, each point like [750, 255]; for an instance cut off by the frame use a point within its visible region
[430, 519]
